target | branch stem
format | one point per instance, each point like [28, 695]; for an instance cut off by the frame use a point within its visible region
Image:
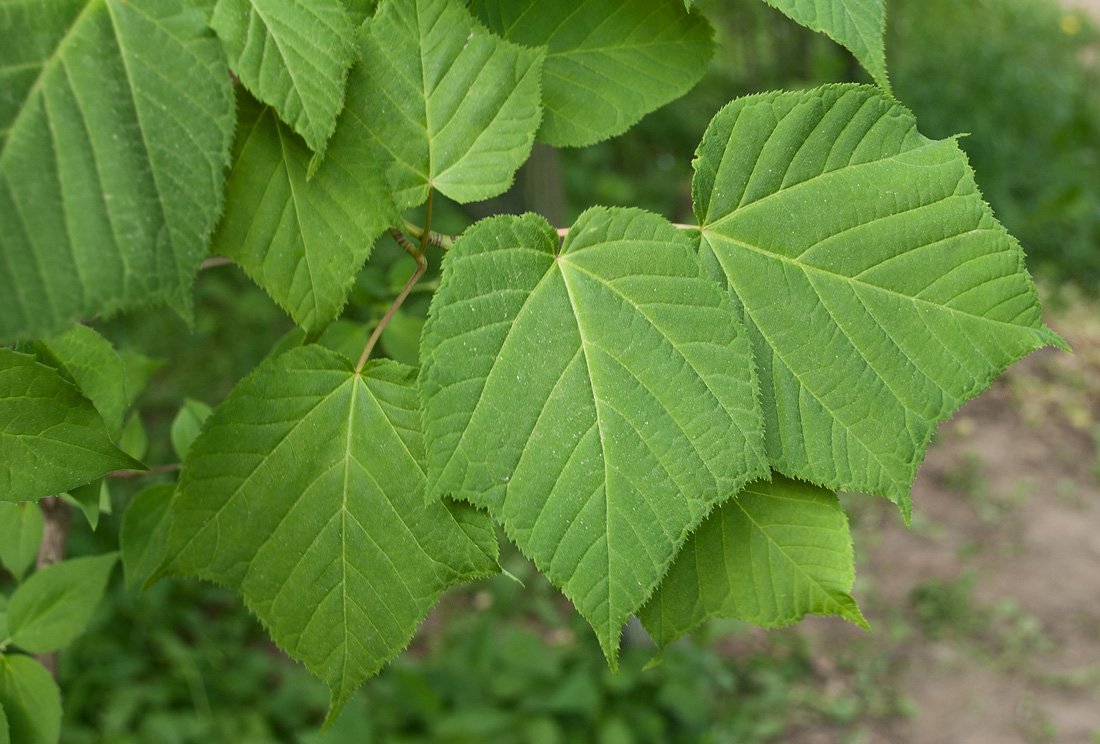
[140, 473]
[421, 266]
[417, 252]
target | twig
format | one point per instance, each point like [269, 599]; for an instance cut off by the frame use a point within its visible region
[421, 266]
[139, 473]
[215, 261]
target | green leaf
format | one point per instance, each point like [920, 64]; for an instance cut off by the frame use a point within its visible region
[138, 369]
[305, 493]
[858, 25]
[115, 127]
[31, 701]
[773, 554]
[21, 528]
[878, 289]
[303, 239]
[453, 107]
[400, 339]
[144, 532]
[187, 424]
[96, 369]
[359, 10]
[90, 498]
[5, 734]
[598, 401]
[51, 437]
[54, 606]
[134, 441]
[608, 62]
[291, 55]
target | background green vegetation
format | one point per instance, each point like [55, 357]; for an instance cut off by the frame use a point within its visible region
[498, 662]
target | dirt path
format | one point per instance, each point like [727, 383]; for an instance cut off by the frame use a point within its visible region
[1092, 6]
[987, 611]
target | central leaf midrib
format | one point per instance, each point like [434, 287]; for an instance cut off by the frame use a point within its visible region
[706, 383]
[600, 431]
[47, 63]
[710, 237]
[777, 547]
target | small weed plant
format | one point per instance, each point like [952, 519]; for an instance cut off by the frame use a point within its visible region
[657, 415]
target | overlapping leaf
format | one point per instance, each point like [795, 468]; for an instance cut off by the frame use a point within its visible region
[302, 238]
[144, 532]
[291, 55]
[770, 556]
[453, 107]
[878, 289]
[51, 437]
[115, 126]
[96, 369]
[858, 25]
[598, 401]
[608, 62]
[305, 492]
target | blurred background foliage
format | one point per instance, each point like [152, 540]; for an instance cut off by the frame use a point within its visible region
[497, 662]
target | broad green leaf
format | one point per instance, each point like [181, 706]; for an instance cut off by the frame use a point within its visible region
[452, 106]
[31, 701]
[858, 25]
[187, 424]
[608, 62]
[878, 289]
[90, 498]
[144, 532]
[115, 127]
[21, 528]
[773, 554]
[291, 55]
[54, 606]
[305, 492]
[51, 437]
[598, 401]
[97, 370]
[303, 239]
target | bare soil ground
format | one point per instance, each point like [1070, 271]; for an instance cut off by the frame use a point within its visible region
[987, 610]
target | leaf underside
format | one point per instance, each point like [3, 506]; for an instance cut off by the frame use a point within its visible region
[773, 554]
[608, 62]
[51, 437]
[305, 492]
[115, 129]
[292, 56]
[453, 107]
[598, 401]
[878, 289]
[303, 238]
